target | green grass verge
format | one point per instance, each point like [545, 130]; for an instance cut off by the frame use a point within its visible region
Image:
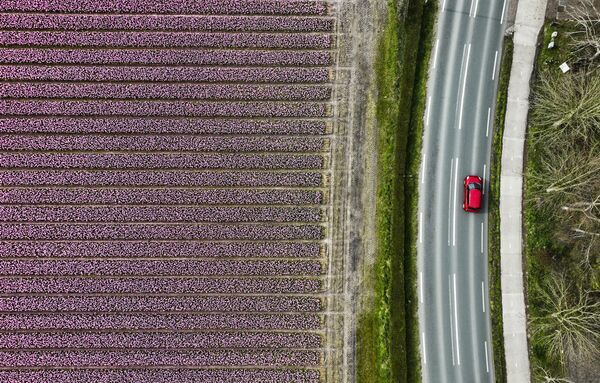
[413, 164]
[495, 292]
[382, 336]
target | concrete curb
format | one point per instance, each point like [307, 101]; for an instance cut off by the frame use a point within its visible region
[529, 20]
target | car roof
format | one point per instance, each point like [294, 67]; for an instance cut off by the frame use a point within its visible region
[475, 198]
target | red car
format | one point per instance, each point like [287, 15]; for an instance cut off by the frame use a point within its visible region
[472, 194]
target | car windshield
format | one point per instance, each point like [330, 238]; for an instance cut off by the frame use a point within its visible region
[474, 186]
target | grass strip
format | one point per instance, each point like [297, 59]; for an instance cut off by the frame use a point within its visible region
[382, 333]
[495, 289]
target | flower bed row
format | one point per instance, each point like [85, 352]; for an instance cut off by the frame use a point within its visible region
[160, 285]
[123, 304]
[90, 340]
[161, 143]
[158, 321]
[160, 74]
[213, 40]
[232, 7]
[159, 125]
[165, 57]
[155, 249]
[166, 196]
[188, 267]
[157, 214]
[136, 358]
[159, 178]
[161, 375]
[160, 161]
[128, 22]
[167, 91]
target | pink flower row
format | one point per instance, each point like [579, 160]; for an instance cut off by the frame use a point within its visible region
[159, 161]
[158, 178]
[178, 143]
[230, 7]
[159, 74]
[162, 108]
[150, 249]
[147, 321]
[159, 285]
[124, 22]
[159, 375]
[159, 125]
[167, 91]
[122, 304]
[90, 340]
[131, 39]
[157, 214]
[166, 57]
[267, 358]
[135, 267]
[160, 196]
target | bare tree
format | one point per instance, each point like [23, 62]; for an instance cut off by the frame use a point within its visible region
[585, 40]
[544, 376]
[568, 323]
[566, 108]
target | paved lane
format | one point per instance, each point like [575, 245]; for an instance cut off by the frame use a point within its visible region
[455, 326]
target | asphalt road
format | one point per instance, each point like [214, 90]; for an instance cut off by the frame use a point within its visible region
[453, 285]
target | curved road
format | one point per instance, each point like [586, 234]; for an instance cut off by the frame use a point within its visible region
[452, 245]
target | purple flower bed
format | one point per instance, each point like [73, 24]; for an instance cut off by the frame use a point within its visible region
[171, 196]
[158, 375]
[231, 7]
[268, 358]
[166, 40]
[159, 267]
[123, 304]
[162, 249]
[160, 74]
[149, 321]
[160, 161]
[158, 178]
[163, 166]
[158, 214]
[161, 143]
[166, 57]
[160, 285]
[78, 22]
[159, 340]
[159, 108]
[159, 125]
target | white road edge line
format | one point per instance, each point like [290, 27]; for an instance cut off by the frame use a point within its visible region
[494, 68]
[421, 278]
[481, 237]
[487, 361]
[443, 5]
[454, 217]
[462, 97]
[450, 198]
[471, 8]
[456, 322]
[482, 296]
[423, 170]
[503, 9]
[483, 180]
[421, 227]
[435, 51]
[476, 5]
[487, 129]
[428, 111]
[424, 351]
[450, 316]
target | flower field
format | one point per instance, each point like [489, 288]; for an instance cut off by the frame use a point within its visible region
[164, 190]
